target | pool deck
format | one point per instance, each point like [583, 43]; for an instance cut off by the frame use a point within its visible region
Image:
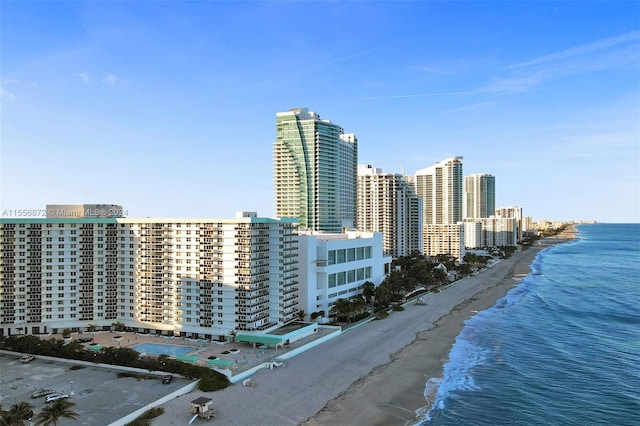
[248, 357]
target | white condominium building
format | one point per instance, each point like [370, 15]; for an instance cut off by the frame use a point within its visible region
[335, 266]
[499, 231]
[315, 166]
[440, 187]
[444, 239]
[480, 195]
[493, 231]
[388, 203]
[512, 211]
[473, 233]
[194, 277]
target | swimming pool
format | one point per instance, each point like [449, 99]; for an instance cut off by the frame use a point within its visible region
[160, 349]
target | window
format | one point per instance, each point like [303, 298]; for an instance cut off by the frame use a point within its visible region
[351, 255]
[340, 256]
[332, 280]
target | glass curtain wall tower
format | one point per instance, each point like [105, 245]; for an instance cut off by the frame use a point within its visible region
[315, 171]
[480, 195]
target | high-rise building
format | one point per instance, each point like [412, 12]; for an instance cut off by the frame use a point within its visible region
[440, 187]
[473, 233]
[388, 203]
[499, 231]
[315, 169]
[197, 277]
[444, 239]
[515, 212]
[480, 195]
[492, 231]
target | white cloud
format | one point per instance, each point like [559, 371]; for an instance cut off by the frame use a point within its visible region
[5, 94]
[423, 95]
[581, 50]
[428, 69]
[607, 53]
[84, 77]
[110, 79]
[513, 85]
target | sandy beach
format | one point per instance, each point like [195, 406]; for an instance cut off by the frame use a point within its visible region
[374, 374]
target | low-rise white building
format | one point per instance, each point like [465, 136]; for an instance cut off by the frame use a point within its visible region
[335, 266]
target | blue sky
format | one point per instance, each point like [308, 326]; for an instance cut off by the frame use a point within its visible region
[168, 108]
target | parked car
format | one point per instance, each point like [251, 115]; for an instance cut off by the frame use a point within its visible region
[42, 392]
[27, 358]
[55, 397]
[167, 379]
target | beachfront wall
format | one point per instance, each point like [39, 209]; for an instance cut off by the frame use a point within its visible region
[335, 266]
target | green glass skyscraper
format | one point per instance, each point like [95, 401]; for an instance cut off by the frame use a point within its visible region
[315, 171]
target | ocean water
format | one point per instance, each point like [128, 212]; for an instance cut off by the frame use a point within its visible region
[562, 348]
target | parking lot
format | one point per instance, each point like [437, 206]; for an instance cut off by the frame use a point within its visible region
[102, 396]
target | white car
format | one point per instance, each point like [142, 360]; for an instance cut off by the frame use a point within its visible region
[55, 397]
[42, 392]
[27, 358]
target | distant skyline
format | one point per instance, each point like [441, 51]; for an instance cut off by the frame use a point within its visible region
[169, 108]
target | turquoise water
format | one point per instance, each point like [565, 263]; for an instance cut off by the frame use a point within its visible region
[562, 348]
[161, 349]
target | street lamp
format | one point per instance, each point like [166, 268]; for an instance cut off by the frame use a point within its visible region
[71, 393]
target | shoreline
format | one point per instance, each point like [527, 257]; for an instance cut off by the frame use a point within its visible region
[374, 374]
[393, 394]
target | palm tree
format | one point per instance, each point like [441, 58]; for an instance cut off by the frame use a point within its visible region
[343, 307]
[118, 326]
[17, 415]
[368, 290]
[383, 294]
[358, 304]
[51, 415]
[440, 276]
[92, 328]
